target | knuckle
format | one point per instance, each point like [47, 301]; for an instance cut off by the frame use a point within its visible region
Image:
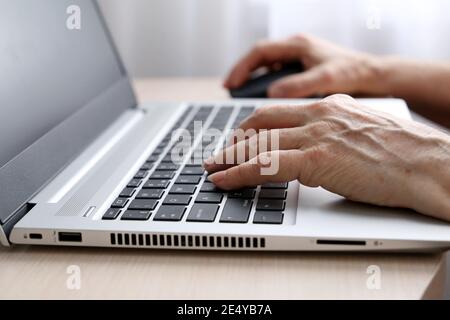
[328, 76]
[263, 158]
[325, 107]
[334, 102]
[260, 45]
[246, 173]
[316, 156]
[305, 38]
[339, 98]
[317, 129]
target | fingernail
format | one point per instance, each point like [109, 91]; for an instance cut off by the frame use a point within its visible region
[208, 162]
[217, 177]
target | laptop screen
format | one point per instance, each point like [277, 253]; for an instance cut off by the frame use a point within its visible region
[55, 57]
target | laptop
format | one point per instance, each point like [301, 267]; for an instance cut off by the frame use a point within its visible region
[83, 164]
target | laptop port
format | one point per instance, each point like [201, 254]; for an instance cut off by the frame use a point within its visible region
[69, 236]
[341, 242]
[35, 236]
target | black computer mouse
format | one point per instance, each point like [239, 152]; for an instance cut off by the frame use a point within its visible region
[258, 85]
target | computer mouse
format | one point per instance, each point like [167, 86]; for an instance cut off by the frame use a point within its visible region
[259, 84]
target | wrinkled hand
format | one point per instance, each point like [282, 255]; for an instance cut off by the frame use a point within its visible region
[354, 151]
[330, 69]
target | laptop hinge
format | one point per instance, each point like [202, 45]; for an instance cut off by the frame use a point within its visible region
[3, 239]
[6, 228]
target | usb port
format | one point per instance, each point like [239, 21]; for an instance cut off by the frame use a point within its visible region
[36, 236]
[69, 236]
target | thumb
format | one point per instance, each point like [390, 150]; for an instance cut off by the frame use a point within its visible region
[301, 85]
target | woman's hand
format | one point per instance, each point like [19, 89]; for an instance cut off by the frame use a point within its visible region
[354, 151]
[330, 69]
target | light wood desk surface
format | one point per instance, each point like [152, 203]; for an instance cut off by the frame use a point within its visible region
[41, 272]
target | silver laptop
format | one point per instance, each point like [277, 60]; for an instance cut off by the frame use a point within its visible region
[82, 164]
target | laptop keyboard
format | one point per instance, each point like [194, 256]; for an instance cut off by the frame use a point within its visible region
[167, 191]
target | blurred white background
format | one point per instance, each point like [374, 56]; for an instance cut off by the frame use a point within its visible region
[204, 37]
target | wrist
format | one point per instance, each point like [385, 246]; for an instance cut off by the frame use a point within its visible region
[399, 77]
[377, 73]
[433, 200]
[431, 187]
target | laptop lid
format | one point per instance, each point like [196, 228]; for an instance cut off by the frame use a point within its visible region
[62, 83]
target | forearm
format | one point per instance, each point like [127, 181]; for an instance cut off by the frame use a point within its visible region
[424, 85]
[426, 88]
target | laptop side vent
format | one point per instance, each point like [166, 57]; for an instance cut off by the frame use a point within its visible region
[185, 241]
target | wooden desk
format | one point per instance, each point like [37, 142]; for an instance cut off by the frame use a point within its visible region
[41, 272]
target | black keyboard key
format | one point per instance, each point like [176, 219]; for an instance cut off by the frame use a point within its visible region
[273, 185]
[248, 110]
[268, 217]
[270, 205]
[209, 187]
[183, 189]
[193, 171]
[140, 174]
[147, 166]
[146, 205]
[111, 214]
[127, 193]
[156, 184]
[205, 110]
[243, 194]
[134, 183]
[163, 144]
[119, 203]
[157, 175]
[150, 194]
[177, 199]
[153, 158]
[170, 213]
[168, 159]
[208, 197]
[236, 211]
[193, 164]
[158, 151]
[188, 179]
[137, 215]
[202, 212]
[278, 194]
[167, 167]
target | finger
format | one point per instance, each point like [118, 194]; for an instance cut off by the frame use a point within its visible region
[242, 151]
[275, 166]
[271, 117]
[264, 54]
[314, 81]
